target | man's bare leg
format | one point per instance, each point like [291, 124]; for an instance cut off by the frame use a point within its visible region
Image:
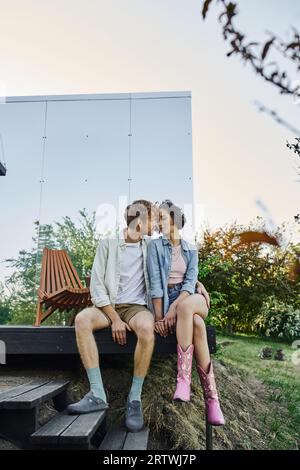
[86, 322]
[143, 326]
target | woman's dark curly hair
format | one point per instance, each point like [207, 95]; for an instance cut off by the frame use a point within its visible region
[176, 214]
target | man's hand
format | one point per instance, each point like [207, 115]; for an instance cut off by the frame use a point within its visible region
[160, 326]
[170, 318]
[201, 290]
[118, 328]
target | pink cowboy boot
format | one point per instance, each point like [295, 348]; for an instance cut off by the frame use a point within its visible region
[214, 414]
[184, 372]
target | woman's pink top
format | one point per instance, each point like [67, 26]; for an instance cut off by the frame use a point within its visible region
[178, 266]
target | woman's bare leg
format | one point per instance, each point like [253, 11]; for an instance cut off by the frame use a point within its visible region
[201, 350]
[186, 309]
[184, 324]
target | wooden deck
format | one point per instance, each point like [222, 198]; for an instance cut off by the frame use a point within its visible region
[61, 340]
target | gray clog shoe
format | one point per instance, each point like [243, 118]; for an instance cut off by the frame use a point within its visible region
[134, 420]
[87, 404]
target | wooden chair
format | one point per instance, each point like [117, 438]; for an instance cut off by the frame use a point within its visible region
[60, 287]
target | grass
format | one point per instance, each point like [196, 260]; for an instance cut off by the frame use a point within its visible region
[282, 381]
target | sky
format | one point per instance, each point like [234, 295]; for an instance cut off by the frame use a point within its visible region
[123, 46]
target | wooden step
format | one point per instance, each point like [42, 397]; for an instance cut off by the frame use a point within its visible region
[32, 394]
[118, 438]
[19, 407]
[65, 431]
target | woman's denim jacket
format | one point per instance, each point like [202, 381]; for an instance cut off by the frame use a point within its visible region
[159, 257]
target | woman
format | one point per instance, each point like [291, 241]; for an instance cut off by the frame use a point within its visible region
[173, 271]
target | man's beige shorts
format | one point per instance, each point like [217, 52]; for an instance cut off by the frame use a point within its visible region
[127, 311]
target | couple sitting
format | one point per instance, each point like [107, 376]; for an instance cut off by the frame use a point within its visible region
[144, 285]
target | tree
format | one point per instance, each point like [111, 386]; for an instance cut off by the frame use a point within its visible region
[4, 307]
[240, 277]
[255, 53]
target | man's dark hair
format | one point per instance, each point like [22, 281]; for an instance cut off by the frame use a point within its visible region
[139, 208]
[175, 212]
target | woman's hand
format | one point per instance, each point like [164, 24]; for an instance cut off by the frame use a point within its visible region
[201, 290]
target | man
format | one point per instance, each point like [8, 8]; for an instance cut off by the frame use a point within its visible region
[121, 299]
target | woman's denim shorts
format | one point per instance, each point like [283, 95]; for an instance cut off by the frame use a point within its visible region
[174, 291]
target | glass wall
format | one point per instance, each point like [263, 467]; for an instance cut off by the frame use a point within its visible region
[97, 152]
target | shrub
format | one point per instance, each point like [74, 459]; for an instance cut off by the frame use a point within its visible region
[278, 319]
